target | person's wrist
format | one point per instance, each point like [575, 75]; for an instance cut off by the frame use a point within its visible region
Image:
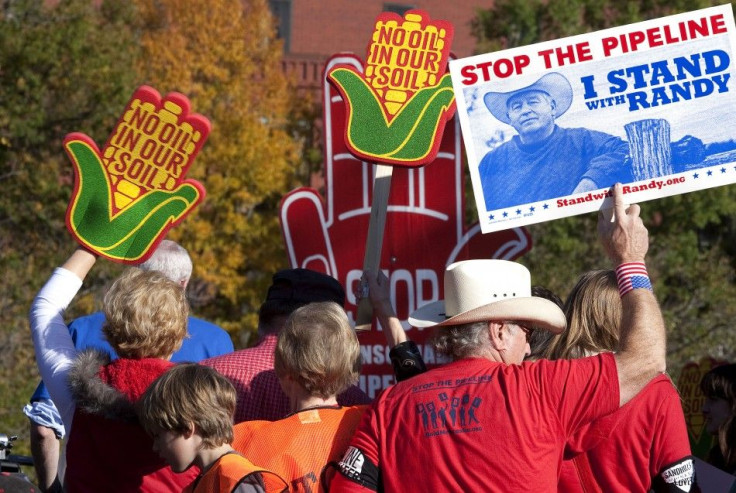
[88, 251]
[632, 275]
[628, 259]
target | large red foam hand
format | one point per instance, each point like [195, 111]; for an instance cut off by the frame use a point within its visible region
[425, 228]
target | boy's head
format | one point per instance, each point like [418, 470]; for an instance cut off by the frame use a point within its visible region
[318, 349]
[191, 403]
[146, 315]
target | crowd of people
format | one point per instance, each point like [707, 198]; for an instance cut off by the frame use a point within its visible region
[540, 395]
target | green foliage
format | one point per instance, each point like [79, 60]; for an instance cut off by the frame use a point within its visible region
[63, 69]
[512, 23]
[692, 256]
[72, 67]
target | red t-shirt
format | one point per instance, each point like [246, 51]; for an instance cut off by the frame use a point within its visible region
[478, 425]
[631, 446]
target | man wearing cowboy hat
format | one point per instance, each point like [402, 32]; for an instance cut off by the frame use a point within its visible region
[545, 161]
[487, 421]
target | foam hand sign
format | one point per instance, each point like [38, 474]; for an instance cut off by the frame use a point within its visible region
[425, 227]
[129, 195]
[397, 109]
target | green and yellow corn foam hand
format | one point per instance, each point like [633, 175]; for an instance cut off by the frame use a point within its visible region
[397, 110]
[128, 196]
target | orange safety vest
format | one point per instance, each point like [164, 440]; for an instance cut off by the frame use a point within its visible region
[303, 448]
[228, 472]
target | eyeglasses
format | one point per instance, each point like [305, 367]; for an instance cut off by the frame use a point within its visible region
[528, 331]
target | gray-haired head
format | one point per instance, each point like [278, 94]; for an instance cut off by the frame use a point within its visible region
[462, 341]
[172, 260]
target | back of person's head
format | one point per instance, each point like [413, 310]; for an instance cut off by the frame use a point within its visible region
[462, 341]
[593, 312]
[720, 383]
[318, 349]
[189, 395]
[291, 289]
[540, 338]
[172, 260]
[145, 315]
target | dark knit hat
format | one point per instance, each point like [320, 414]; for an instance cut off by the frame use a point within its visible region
[305, 286]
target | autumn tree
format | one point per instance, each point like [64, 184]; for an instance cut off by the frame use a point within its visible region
[224, 55]
[691, 257]
[61, 70]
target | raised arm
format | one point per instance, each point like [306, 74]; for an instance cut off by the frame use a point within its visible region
[642, 342]
[405, 357]
[80, 262]
[380, 296]
[55, 350]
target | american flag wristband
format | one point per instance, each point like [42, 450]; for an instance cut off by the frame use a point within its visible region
[632, 275]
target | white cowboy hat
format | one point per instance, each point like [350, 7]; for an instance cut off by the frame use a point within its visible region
[554, 84]
[484, 290]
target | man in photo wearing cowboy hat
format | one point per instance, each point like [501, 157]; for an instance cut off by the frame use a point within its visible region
[544, 160]
[486, 421]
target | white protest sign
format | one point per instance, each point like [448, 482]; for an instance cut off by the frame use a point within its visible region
[549, 128]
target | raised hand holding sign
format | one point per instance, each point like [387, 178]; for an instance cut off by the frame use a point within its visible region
[129, 195]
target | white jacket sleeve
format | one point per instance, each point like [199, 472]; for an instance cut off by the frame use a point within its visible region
[54, 347]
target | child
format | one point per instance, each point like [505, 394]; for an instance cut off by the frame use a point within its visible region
[317, 357]
[189, 413]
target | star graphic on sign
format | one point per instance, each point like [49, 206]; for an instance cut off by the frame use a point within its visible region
[505, 214]
[545, 206]
[710, 172]
[518, 211]
[723, 170]
[531, 209]
[492, 217]
[696, 176]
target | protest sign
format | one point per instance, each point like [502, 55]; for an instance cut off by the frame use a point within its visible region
[425, 230]
[396, 111]
[549, 128]
[127, 196]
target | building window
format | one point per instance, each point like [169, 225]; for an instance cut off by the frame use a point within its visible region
[281, 10]
[397, 8]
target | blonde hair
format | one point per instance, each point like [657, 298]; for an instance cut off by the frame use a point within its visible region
[146, 315]
[190, 394]
[593, 313]
[319, 349]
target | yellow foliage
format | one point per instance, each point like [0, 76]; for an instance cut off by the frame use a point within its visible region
[223, 54]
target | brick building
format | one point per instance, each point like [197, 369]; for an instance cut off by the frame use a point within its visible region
[314, 30]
